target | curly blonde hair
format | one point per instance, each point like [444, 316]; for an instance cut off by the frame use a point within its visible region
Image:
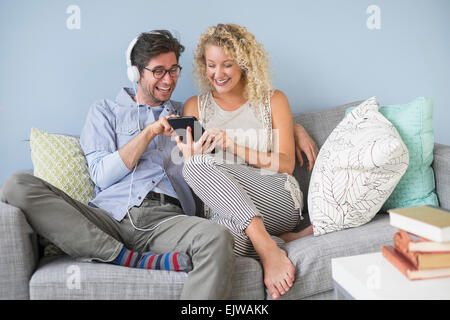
[241, 46]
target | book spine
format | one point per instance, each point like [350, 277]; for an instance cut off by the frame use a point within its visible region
[395, 259]
[405, 267]
[401, 244]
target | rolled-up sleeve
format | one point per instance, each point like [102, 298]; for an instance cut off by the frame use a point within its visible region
[106, 168]
[98, 141]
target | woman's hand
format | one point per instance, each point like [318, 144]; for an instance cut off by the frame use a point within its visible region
[221, 139]
[304, 143]
[205, 144]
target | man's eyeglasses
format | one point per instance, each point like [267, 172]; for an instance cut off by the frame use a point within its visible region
[159, 73]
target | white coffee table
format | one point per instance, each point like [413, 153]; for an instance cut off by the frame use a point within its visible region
[372, 277]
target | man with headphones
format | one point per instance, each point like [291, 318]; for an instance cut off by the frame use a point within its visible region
[143, 214]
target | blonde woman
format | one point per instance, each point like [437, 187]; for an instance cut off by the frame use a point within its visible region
[247, 185]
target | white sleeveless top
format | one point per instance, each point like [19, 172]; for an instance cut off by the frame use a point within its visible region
[248, 126]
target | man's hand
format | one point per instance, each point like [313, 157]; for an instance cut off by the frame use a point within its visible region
[162, 126]
[205, 144]
[304, 143]
[132, 151]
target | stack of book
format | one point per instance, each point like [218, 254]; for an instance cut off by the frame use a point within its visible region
[421, 247]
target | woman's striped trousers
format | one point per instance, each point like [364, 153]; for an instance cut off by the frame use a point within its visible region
[236, 193]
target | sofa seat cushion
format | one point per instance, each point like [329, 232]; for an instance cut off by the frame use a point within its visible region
[63, 278]
[312, 255]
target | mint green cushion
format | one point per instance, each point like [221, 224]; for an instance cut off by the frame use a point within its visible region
[414, 123]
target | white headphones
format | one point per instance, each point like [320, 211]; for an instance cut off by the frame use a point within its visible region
[132, 71]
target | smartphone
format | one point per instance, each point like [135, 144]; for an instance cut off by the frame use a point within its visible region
[180, 125]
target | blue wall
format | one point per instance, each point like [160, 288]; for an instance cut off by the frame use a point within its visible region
[322, 52]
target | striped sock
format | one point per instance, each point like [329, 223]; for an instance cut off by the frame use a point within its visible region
[173, 261]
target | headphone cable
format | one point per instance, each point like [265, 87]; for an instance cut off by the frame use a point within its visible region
[132, 176]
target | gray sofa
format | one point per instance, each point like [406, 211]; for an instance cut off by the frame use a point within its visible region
[24, 274]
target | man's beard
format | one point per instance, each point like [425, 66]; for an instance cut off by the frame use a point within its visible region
[153, 98]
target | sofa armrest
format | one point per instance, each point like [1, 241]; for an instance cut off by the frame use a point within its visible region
[18, 252]
[441, 167]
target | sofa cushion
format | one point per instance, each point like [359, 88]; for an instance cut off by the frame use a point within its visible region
[356, 170]
[319, 125]
[312, 255]
[59, 160]
[62, 277]
[414, 122]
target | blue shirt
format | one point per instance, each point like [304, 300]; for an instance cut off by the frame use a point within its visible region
[109, 126]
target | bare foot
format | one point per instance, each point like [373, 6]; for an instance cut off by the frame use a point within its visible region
[290, 236]
[279, 272]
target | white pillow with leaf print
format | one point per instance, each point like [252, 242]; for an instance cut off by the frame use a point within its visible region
[356, 170]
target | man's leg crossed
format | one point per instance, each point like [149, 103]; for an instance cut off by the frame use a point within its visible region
[81, 231]
[209, 245]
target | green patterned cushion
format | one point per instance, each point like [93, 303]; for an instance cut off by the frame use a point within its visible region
[59, 160]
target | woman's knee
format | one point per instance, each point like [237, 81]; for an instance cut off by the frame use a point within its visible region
[198, 163]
